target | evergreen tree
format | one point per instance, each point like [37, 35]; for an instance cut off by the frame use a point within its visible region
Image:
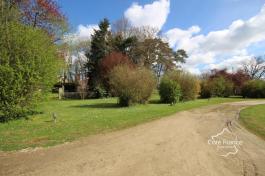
[100, 47]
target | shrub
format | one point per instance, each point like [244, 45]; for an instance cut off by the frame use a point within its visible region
[254, 89]
[217, 86]
[238, 78]
[221, 87]
[131, 85]
[189, 84]
[108, 63]
[229, 88]
[99, 92]
[169, 91]
[205, 90]
[112, 60]
[29, 66]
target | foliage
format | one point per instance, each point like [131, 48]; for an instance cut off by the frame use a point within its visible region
[100, 47]
[189, 84]
[112, 60]
[122, 44]
[8, 11]
[216, 87]
[205, 91]
[254, 89]
[99, 92]
[28, 68]
[108, 63]
[229, 87]
[169, 91]
[156, 54]
[220, 87]
[43, 14]
[238, 78]
[131, 85]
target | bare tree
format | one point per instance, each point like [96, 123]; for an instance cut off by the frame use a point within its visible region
[255, 68]
[125, 29]
[121, 27]
[144, 32]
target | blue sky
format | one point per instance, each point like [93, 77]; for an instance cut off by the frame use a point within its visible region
[184, 22]
[208, 14]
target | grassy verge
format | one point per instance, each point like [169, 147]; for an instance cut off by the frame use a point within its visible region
[254, 119]
[79, 118]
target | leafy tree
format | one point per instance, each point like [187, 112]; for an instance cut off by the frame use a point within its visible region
[28, 68]
[238, 78]
[254, 89]
[205, 91]
[124, 45]
[112, 60]
[100, 47]
[109, 62]
[43, 14]
[180, 56]
[220, 87]
[156, 54]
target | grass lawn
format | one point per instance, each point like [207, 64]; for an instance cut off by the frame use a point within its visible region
[79, 118]
[254, 119]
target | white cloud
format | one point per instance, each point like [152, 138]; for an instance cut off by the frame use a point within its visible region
[230, 42]
[181, 37]
[83, 33]
[232, 63]
[154, 15]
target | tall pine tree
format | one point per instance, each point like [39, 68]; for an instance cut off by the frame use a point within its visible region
[100, 47]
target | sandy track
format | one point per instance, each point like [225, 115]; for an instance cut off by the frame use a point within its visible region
[171, 146]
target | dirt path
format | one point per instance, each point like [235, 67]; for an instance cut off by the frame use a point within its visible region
[172, 146]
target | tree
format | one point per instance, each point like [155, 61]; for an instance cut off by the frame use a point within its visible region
[255, 68]
[180, 56]
[100, 47]
[238, 78]
[43, 14]
[254, 89]
[156, 54]
[121, 27]
[124, 45]
[75, 61]
[126, 30]
[109, 62]
[144, 32]
[28, 68]
[221, 87]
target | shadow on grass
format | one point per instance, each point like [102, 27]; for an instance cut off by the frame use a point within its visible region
[155, 102]
[27, 115]
[99, 105]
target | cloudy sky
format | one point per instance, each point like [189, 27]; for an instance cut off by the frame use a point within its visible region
[215, 33]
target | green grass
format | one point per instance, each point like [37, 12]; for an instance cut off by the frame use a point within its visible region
[79, 118]
[254, 119]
